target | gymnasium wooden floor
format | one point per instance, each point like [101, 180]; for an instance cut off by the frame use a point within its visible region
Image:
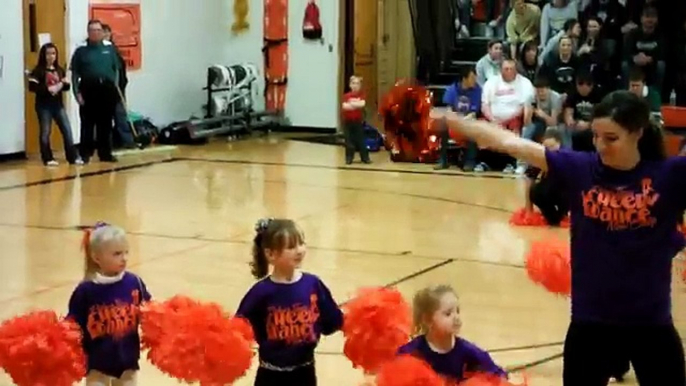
[190, 214]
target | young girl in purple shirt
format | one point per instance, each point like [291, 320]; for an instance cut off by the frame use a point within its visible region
[105, 304]
[288, 309]
[625, 202]
[437, 325]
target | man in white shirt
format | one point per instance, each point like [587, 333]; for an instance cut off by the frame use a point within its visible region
[507, 99]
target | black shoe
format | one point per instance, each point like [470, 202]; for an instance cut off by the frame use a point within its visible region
[348, 162]
[441, 166]
[367, 161]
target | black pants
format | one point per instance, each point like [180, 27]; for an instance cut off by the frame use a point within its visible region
[549, 200]
[354, 141]
[55, 112]
[302, 376]
[595, 352]
[100, 101]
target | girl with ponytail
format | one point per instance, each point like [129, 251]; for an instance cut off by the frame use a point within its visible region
[625, 200]
[105, 305]
[288, 309]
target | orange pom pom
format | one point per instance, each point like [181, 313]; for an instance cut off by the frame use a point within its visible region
[485, 379]
[196, 342]
[549, 264]
[377, 322]
[524, 217]
[39, 349]
[406, 370]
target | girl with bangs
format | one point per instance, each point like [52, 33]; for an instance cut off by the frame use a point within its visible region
[288, 309]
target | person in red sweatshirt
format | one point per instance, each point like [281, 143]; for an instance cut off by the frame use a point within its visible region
[353, 118]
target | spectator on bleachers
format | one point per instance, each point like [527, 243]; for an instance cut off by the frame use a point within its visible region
[638, 86]
[611, 13]
[527, 65]
[464, 97]
[553, 18]
[578, 112]
[507, 100]
[489, 65]
[546, 110]
[561, 68]
[644, 48]
[463, 20]
[594, 53]
[496, 12]
[522, 25]
[572, 30]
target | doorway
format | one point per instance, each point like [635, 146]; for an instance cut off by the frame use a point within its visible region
[44, 21]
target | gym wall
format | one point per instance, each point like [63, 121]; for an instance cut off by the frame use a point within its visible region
[180, 39]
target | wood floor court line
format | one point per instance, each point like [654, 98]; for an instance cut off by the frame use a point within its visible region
[79, 228]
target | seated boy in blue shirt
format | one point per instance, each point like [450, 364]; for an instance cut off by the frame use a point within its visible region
[463, 97]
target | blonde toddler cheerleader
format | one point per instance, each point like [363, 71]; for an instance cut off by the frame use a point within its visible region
[106, 307]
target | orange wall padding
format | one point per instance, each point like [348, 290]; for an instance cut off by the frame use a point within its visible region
[275, 51]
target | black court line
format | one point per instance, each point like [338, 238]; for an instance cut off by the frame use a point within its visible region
[411, 276]
[86, 174]
[530, 365]
[356, 168]
[526, 347]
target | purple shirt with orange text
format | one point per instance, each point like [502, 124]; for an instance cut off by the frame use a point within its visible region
[289, 319]
[623, 235]
[108, 316]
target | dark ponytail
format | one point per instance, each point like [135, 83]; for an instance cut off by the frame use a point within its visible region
[275, 235]
[259, 265]
[633, 114]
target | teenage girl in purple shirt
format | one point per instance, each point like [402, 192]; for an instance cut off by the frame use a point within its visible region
[625, 202]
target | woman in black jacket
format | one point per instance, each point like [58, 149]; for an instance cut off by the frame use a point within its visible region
[48, 81]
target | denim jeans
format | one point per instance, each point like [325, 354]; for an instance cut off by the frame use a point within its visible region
[46, 114]
[121, 125]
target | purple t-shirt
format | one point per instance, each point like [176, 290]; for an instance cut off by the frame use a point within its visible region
[464, 357]
[109, 319]
[623, 235]
[289, 319]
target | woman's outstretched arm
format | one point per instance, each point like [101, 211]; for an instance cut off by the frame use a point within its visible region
[491, 136]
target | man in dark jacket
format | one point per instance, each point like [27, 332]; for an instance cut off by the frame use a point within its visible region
[95, 76]
[121, 122]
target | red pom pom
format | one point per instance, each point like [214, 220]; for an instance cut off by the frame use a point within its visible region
[485, 379]
[549, 264]
[196, 342]
[377, 322]
[406, 370]
[405, 111]
[39, 349]
[524, 217]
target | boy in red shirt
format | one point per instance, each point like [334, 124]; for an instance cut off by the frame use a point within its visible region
[353, 117]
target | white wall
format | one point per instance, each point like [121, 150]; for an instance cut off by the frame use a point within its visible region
[11, 78]
[181, 38]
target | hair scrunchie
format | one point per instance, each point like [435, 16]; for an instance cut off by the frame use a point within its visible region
[262, 224]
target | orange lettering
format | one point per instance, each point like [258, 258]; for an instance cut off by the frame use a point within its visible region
[621, 209]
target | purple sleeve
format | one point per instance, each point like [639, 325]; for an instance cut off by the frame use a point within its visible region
[331, 315]
[568, 168]
[481, 361]
[78, 306]
[146, 294]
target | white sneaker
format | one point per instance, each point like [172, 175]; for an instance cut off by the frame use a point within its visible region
[509, 169]
[52, 163]
[78, 162]
[521, 169]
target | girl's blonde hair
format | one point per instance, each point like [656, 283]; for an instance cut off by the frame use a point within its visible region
[93, 239]
[425, 302]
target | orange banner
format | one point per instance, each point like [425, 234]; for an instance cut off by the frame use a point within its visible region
[125, 21]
